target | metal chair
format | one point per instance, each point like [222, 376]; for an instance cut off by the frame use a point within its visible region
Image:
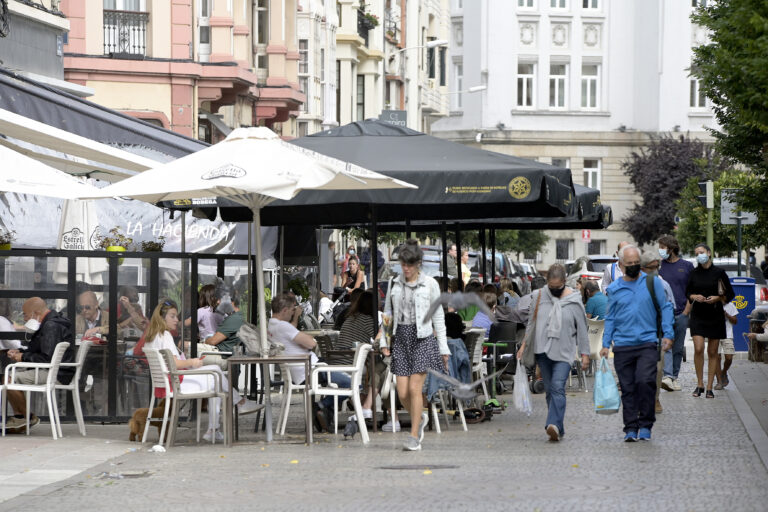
[47, 388]
[74, 384]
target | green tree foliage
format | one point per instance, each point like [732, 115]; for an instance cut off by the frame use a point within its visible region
[659, 172]
[693, 225]
[529, 242]
[733, 72]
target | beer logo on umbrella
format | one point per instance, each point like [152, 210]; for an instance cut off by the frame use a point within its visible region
[225, 171]
[519, 187]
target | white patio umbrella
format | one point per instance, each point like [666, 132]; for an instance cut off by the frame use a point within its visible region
[24, 175]
[253, 167]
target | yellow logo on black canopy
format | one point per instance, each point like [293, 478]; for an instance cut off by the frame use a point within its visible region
[519, 187]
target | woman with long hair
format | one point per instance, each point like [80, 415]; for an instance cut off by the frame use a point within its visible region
[708, 290]
[165, 318]
[352, 278]
[557, 326]
[419, 341]
[208, 319]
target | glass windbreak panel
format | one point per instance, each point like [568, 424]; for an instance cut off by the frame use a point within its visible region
[174, 285]
[33, 273]
[133, 314]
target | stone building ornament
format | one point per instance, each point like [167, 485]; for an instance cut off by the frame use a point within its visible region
[527, 34]
[560, 35]
[591, 36]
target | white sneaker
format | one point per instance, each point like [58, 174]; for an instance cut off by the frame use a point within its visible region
[249, 406]
[666, 383]
[423, 425]
[388, 426]
[676, 385]
[207, 436]
[367, 414]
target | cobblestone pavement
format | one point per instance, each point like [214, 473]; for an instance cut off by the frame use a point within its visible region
[701, 458]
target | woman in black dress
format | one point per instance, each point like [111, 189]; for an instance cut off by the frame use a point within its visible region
[708, 290]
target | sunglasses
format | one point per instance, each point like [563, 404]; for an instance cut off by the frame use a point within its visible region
[80, 309]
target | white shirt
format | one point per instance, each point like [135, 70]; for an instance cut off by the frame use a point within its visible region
[731, 310]
[6, 325]
[280, 331]
[165, 340]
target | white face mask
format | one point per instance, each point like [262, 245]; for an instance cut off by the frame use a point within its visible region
[32, 325]
[702, 258]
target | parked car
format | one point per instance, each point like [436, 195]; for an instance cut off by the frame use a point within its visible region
[588, 267]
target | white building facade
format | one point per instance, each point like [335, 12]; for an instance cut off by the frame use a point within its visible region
[577, 83]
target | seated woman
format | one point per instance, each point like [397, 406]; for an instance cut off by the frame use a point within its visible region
[208, 319]
[358, 328]
[482, 320]
[507, 294]
[129, 313]
[164, 319]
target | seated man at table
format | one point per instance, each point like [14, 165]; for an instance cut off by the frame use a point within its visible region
[282, 328]
[90, 320]
[45, 329]
[129, 313]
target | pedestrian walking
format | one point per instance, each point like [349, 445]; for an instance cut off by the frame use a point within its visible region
[635, 303]
[708, 290]
[726, 345]
[419, 342]
[676, 271]
[557, 328]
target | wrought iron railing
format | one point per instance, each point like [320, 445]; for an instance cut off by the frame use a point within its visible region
[363, 26]
[125, 32]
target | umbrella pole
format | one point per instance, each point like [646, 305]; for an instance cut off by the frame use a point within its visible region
[458, 257]
[184, 280]
[444, 236]
[262, 318]
[483, 266]
[281, 230]
[250, 272]
[493, 254]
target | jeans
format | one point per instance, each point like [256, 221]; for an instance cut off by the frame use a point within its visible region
[340, 379]
[636, 367]
[554, 373]
[674, 358]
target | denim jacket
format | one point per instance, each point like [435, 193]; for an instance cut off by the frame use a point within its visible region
[427, 291]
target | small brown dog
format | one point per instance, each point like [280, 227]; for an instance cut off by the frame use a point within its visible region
[139, 420]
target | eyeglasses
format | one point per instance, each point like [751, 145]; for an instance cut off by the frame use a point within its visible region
[85, 307]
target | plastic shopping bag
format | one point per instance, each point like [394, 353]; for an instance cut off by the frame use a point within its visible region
[521, 394]
[607, 400]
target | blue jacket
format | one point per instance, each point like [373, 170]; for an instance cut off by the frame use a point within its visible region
[631, 315]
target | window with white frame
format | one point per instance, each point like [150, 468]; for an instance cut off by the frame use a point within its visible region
[563, 163]
[303, 56]
[458, 74]
[592, 173]
[596, 247]
[360, 97]
[590, 86]
[563, 249]
[558, 4]
[526, 84]
[590, 4]
[698, 3]
[697, 99]
[558, 78]
[304, 86]
[526, 4]
[262, 13]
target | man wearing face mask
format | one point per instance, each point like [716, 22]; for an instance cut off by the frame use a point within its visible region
[45, 330]
[613, 271]
[649, 263]
[676, 271]
[630, 325]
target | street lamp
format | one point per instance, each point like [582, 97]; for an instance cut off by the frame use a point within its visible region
[476, 88]
[430, 44]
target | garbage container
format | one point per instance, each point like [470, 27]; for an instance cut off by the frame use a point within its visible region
[744, 287]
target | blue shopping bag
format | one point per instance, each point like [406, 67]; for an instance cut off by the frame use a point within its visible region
[607, 400]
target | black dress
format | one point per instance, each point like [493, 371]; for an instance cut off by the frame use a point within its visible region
[708, 320]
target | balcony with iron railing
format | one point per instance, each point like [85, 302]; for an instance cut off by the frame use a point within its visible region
[125, 33]
[365, 23]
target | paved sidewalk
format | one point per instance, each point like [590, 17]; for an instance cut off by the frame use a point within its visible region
[701, 458]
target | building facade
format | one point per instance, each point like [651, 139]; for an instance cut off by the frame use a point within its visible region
[577, 83]
[198, 67]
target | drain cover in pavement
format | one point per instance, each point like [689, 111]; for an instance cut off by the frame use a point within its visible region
[419, 467]
[127, 474]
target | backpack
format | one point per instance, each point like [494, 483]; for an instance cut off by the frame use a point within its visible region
[251, 338]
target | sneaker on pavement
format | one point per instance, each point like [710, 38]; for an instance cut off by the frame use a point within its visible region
[218, 436]
[666, 383]
[367, 414]
[659, 408]
[553, 432]
[248, 407]
[719, 386]
[387, 427]
[423, 425]
[630, 437]
[676, 385]
[411, 444]
[644, 434]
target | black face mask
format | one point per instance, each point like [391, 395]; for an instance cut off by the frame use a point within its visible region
[632, 271]
[556, 292]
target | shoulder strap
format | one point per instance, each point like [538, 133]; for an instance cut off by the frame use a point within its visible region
[649, 281]
[613, 271]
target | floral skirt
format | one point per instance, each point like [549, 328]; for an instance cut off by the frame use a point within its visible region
[414, 355]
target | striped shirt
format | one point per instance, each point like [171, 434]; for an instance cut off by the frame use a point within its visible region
[358, 328]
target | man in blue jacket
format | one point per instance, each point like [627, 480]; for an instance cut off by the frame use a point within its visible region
[631, 325]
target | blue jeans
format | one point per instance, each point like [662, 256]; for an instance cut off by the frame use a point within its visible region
[674, 358]
[554, 373]
[340, 379]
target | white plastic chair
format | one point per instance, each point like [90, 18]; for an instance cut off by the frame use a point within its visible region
[74, 384]
[595, 330]
[47, 388]
[441, 396]
[474, 343]
[287, 391]
[356, 375]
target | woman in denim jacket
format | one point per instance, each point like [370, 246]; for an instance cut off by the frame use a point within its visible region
[419, 342]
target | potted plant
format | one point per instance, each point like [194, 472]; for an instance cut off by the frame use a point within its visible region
[153, 245]
[115, 241]
[371, 20]
[6, 237]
